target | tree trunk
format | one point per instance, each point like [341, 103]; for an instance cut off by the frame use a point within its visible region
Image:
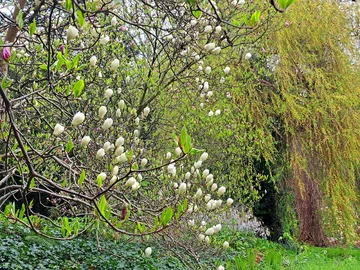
[307, 194]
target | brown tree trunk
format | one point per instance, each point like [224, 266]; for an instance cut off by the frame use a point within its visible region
[307, 194]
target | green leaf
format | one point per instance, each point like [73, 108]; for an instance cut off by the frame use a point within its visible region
[43, 67]
[78, 88]
[69, 146]
[19, 19]
[80, 17]
[99, 181]
[102, 205]
[32, 28]
[196, 13]
[284, 4]
[185, 140]
[81, 178]
[236, 22]
[129, 155]
[196, 151]
[255, 18]
[135, 166]
[60, 61]
[32, 183]
[141, 227]
[5, 83]
[166, 216]
[68, 4]
[75, 61]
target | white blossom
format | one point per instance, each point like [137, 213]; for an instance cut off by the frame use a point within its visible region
[100, 153]
[214, 187]
[226, 245]
[209, 231]
[122, 158]
[113, 21]
[207, 197]
[107, 123]
[247, 56]
[120, 141]
[143, 163]
[221, 267]
[198, 193]
[205, 172]
[204, 157]
[208, 29]
[104, 40]
[217, 50]
[119, 150]
[58, 129]
[168, 155]
[193, 22]
[122, 104]
[85, 141]
[187, 175]
[102, 112]
[108, 93]
[207, 70]
[79, 117]
[72, 32]
[217, 29]
[178, 151]
[93, 60]
[226, 70]
[107, 146]
[229, 202]
[148, 251]
[217, 112]
[115, 170]
[211, 113]
[209, 47]
[130, 182]
[115, 64]
[221, 190]
[182, 188]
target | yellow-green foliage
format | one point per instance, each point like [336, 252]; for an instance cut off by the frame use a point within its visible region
[318, 79]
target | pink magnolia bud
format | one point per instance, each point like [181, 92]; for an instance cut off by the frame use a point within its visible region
[62, 48]
[6, 53]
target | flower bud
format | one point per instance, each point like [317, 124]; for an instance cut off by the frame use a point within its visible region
[78, 119]
[93, 61]
[209, 177]
[107, 146]
[115, 171]
[137, 121]
[209, 47]
[139, 177]
[131, 181]
[221, 267]
[85, 141]
[121, 104]
[211, 113]
[112, 180]
[119, 150]
[148, 251]
[217, 50]
[198, 164]
[168, 155]
[122, 158]
[95, 32]
[115, 64]
[209, 231]
[72, 32]
[146, 111]
[229, 202]
[205, 172]
[108, 93]
[100, 153]
[136, 133]
[113, 21]
[182, 188]
[218, 203]
[207, 240]
[107, 124]
[204, 157]
[217, 228]
[207, 197]
[102, 112]
[222, 80]
[217, 112]
[120, 141]
[178, 151]
[201, 237]
[217, 29]
[221, 190]
[193, 22]
[214, 187]
[143, 163]
[198, 193]
[206, 86]
[58, 129]
[247, 56]
[6, 53]
[135, 186]
[227, 70]
[207, 70]
[104, 40]
[226, 245]
[102, 175]
[208, 29]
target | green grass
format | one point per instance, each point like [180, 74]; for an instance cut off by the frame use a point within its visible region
[21, 249]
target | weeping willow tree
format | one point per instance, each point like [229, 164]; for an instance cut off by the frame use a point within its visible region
[318, 102]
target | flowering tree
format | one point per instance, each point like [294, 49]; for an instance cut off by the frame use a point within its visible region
[85, 88]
